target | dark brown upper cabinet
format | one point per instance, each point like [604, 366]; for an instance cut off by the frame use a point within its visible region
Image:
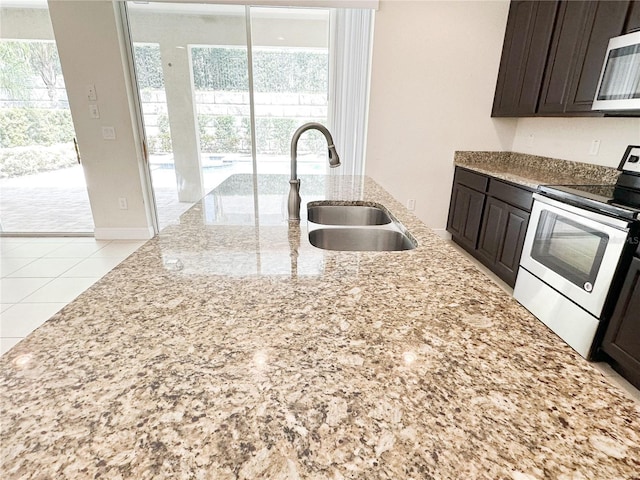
[524, 55]
[633, 19]
[578, 47]
[553, 54]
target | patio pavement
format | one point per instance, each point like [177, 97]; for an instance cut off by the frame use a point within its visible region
[57, 202]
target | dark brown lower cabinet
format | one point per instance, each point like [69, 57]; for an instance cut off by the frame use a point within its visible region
[465, 215]
[502, 237]
[622, 338]
[488, 218]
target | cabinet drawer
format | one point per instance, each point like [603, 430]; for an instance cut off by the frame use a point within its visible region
[516, 196]
[473, 180]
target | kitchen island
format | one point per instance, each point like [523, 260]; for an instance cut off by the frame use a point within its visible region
[228, 347]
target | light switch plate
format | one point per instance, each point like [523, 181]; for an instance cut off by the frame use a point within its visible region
[108, 133]
[92, 94]
[94, 112]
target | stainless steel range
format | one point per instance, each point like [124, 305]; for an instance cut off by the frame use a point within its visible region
[578, 247]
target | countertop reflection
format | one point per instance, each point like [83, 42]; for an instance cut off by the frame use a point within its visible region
[241, 228]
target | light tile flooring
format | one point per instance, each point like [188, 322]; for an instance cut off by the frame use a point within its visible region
[40, 275]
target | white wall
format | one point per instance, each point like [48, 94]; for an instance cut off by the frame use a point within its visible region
[434, 73]
[571, 138]
[89, 49]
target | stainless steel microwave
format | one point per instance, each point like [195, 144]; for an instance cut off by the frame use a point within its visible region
[619, 84]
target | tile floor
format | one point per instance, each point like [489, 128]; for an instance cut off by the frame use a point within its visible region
[40, 275]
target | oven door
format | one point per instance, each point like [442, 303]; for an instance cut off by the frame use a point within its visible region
[574, 251]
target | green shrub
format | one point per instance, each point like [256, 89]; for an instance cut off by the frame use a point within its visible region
[19, 161]
[223, 134]
[226, 69]
[161, 143]
[220, 133]
[21, 127]
[273, 135]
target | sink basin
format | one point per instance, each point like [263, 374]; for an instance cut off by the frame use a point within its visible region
[347, 215]
[360, 239]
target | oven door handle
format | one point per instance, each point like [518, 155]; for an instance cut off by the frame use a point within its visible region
[617, 223]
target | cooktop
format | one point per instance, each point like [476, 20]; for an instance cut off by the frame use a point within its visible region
[608, 199]
[621, 199]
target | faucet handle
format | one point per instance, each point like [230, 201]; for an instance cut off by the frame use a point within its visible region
[294, 200]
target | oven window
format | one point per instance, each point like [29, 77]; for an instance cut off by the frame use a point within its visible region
[570, 249]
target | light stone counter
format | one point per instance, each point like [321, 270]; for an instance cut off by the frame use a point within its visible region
[228, 347]
[532, 171]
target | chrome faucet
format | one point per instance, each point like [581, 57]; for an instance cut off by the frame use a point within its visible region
[334, 161]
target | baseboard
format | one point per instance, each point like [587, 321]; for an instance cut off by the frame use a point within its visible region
[442, 233]
[123, 233]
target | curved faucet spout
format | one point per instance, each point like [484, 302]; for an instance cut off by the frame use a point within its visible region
[334, 161]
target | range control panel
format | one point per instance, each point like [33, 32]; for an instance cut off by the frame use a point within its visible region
[631, 159]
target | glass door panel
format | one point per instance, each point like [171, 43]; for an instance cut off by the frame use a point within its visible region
[194, 105]
[214, 106]
[290, 50]
[221, 83]
[42, 181]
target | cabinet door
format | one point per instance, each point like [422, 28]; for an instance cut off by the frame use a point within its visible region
[508, 259]
[605, 20]
[465, 215]
[562, 59]
[524, 54]
[577, 52]
[633, 17]
[502, 238]
[622, 337]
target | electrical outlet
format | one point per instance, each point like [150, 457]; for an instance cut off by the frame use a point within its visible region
[595, 147]
[122, 203]
[411, 204]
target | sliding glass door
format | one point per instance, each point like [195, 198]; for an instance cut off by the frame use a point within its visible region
[42, 181]
[290, 53]
[222, 90]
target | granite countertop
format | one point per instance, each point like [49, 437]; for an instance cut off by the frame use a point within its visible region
[228, 347]
[532, 171]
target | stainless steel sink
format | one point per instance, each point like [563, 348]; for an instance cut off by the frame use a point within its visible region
[347, 215]
[360, 239]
